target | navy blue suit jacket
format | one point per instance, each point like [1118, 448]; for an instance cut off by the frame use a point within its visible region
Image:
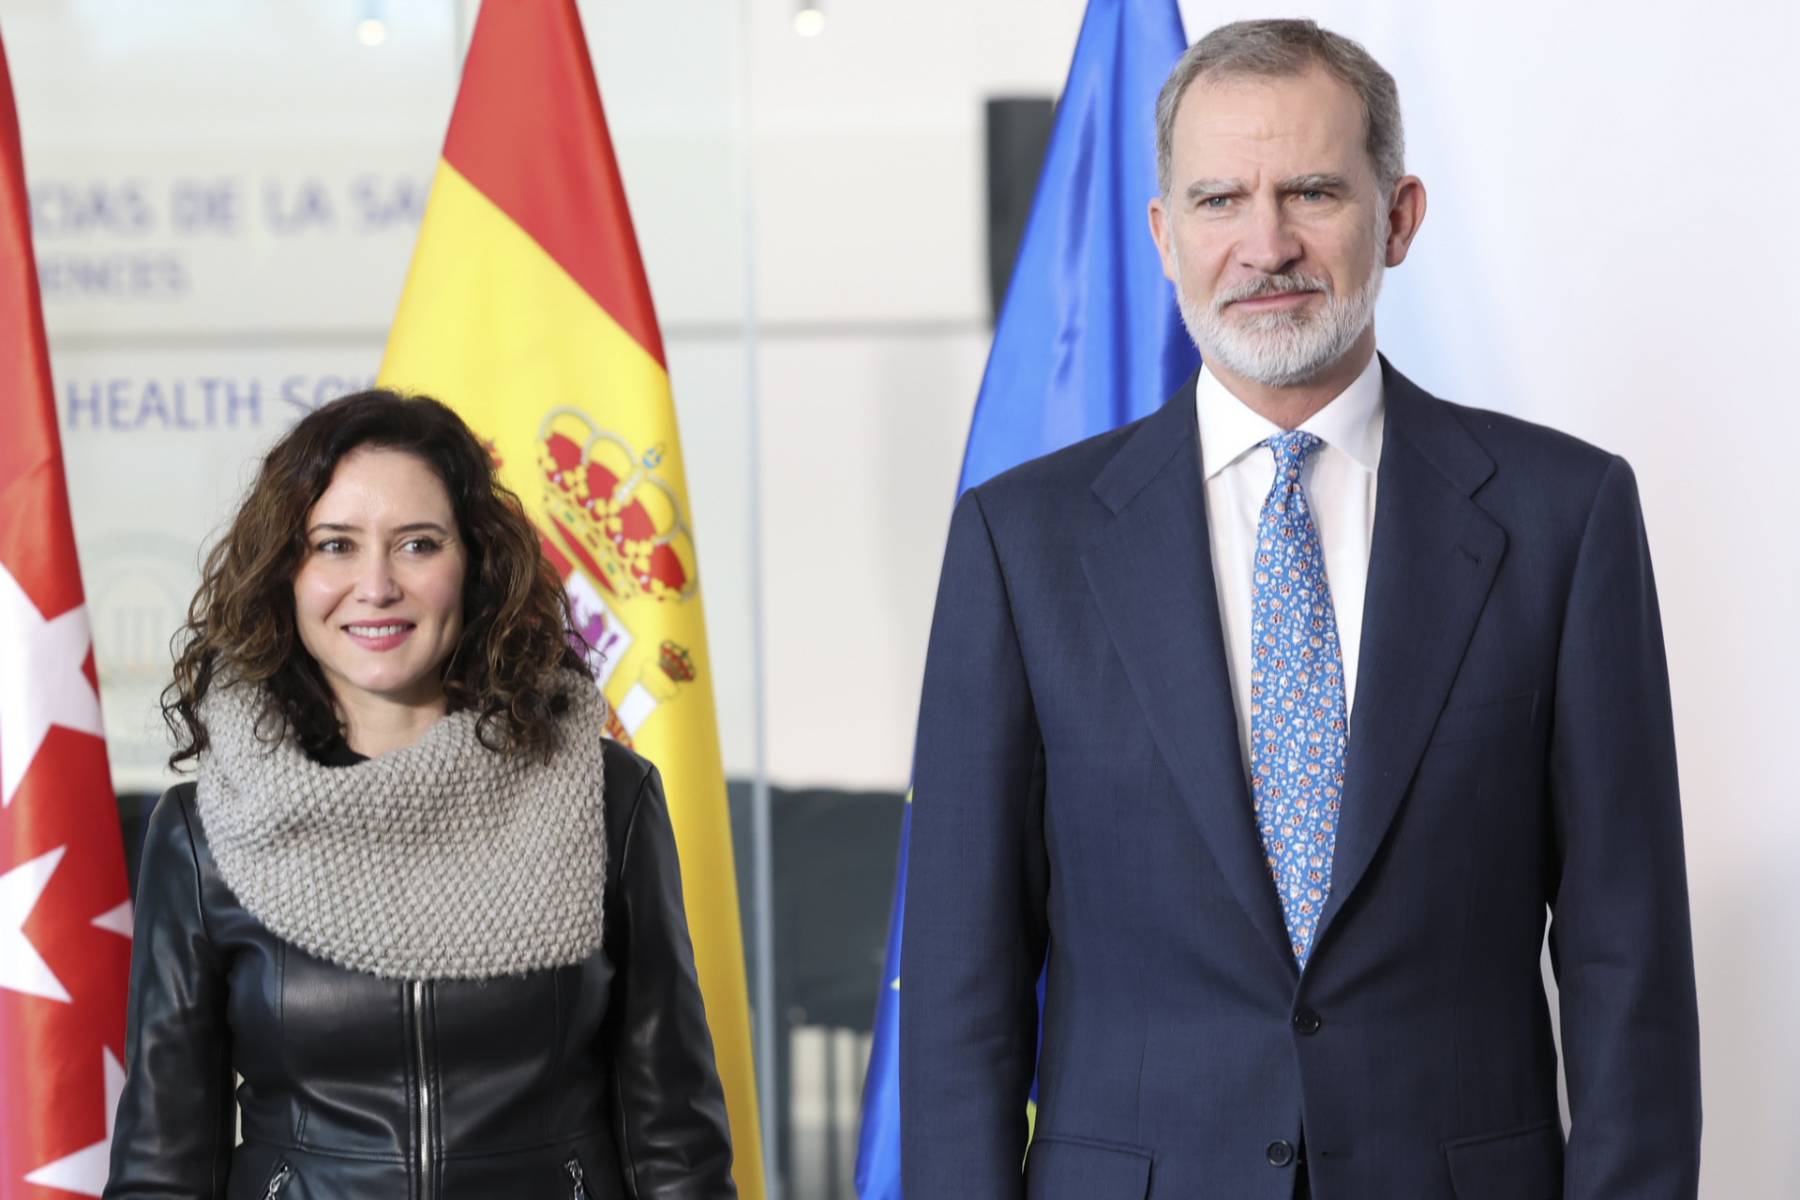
[1081, 806]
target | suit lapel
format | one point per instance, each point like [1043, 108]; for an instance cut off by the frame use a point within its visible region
[1431, 563]
[1150, 571]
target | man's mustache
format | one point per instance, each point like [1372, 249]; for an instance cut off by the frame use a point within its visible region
[1269, 285]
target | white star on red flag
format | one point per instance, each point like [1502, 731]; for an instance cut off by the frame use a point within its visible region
[84, 1172]
[22, 968]
[45, 682]
[117, 918]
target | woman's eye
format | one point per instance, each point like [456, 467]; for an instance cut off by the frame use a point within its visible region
[420, 545]
[333, 546]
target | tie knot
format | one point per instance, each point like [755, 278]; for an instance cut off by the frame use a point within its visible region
[1291, 450]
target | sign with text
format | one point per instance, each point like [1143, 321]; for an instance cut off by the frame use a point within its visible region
[271, 245]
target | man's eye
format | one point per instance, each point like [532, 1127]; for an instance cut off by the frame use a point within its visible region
[1214, 201]
[1313, 194]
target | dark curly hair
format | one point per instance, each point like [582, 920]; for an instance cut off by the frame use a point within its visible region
[518, 653]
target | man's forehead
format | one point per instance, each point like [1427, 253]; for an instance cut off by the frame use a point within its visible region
[1314, 115]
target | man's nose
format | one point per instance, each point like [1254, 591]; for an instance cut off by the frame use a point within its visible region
[1269, 245]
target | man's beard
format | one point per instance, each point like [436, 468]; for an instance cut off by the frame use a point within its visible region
[1280, 348]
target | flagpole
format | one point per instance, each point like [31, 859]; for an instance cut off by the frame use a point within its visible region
[762, 916]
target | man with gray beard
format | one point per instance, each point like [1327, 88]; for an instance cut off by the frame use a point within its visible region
[1274, 729]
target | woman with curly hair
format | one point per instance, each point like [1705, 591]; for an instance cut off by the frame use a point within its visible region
[414, 901]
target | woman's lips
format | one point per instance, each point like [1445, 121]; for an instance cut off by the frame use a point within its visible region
[383, 636]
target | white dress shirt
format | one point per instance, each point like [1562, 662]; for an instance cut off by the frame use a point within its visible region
[1339, 479]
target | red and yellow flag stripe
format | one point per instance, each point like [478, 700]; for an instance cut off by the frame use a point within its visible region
[527, 310]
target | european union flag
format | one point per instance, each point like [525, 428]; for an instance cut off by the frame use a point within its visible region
[1089, 338]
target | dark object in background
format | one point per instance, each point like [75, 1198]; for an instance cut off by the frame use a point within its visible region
[834, 856]
[134, 815]
[1018, 134]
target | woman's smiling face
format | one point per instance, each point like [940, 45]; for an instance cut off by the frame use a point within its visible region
[378, 597]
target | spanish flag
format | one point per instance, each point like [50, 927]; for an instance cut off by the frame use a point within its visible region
[527, 310]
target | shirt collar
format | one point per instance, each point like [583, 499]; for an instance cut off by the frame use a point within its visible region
[1351, 422]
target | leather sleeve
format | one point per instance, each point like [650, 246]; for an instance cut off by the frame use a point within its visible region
[173, 1136]
[1619, 934]
[675, 1135]
[976, 924]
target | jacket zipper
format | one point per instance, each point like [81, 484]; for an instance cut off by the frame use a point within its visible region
[573, 1167]
[423, 1069]
[278, 1180]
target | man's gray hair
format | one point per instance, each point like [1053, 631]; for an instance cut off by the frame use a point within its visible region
[1281, 49]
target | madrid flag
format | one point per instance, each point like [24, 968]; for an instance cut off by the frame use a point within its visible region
[65, 918]
[527, 310]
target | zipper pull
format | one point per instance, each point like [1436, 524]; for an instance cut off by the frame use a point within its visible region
[278, 1181]
[573, 1167]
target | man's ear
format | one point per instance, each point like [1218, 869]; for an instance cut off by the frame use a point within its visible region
[1406, 212]
[1162, 235]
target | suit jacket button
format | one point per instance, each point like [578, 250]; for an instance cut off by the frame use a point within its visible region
[1281, 1154]
[1307, 1021]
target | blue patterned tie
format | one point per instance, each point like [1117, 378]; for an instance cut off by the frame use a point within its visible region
[1297, 713]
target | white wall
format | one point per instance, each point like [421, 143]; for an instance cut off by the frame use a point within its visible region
[1610, 248]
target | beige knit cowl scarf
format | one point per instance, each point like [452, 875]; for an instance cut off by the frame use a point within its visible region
[443, 860]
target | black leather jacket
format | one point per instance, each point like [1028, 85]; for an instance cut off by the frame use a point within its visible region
[594, 1080]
